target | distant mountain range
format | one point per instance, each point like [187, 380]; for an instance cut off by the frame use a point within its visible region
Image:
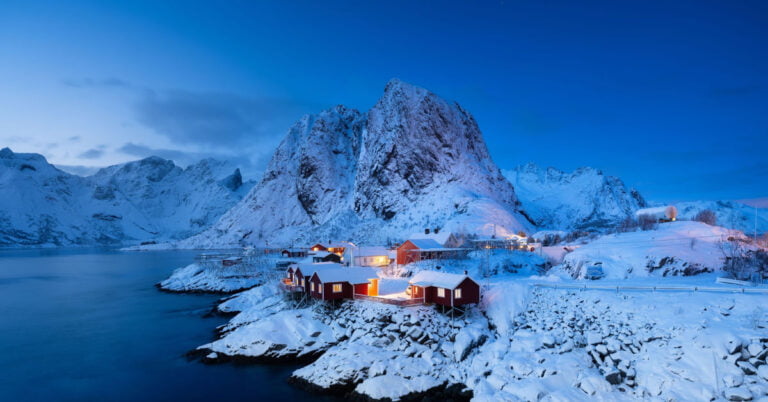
[413, 161]
[147, 200]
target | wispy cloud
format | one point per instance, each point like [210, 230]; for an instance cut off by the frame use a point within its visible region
[93, 153]
[220, 120]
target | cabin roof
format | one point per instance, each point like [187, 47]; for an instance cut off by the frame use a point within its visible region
[437, 279]
[426, 244]
[440, 237]
[321, 254]
[370, 251]
[352, 275]
[309, 269]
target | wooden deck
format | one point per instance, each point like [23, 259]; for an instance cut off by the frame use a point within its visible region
[394, 302]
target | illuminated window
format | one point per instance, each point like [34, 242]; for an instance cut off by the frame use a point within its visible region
[312, 286]
[440, 292]
[457, 294]
[337, 288]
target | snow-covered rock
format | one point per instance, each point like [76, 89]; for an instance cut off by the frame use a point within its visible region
[150, 199]
[413, 161]
[582, 199]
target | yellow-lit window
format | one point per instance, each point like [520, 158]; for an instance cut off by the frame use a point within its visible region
[457, 294]
[440, 292]
[337, 288]
[312, 286]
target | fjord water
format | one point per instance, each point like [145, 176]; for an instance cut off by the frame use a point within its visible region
[90, 325]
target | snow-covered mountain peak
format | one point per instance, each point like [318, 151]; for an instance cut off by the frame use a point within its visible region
[584, 198]
[413, 161]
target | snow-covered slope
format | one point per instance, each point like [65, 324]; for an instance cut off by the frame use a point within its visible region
[675, 248]
[582, 199]
[414, 161]
[150, 199]
[730, 214]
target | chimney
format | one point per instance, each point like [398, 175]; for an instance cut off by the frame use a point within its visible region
[437, 230]
[465, 272]
[426, 231]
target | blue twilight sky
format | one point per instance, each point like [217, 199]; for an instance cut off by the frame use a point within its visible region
[671, 96]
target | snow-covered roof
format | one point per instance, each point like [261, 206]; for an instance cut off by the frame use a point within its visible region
[370, 251]
[309, 269]
[353, 275]
[437, 279]
[294, 250]
[321, 254]
[426, 244]
[440, 237]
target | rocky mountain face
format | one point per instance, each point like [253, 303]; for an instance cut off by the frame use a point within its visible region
[149, 199]
[413, 161]
[584, 198]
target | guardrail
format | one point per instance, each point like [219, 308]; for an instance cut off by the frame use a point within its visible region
[654, 288]
[394, 302]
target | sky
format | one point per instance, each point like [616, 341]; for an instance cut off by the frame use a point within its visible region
[670, 96]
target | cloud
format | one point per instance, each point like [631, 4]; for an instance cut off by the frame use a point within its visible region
[221, 120]
[93, 153]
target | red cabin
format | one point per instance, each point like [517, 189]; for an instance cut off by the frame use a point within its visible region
[343, 283]
[303, 272]
[449, 290]
[415, 250]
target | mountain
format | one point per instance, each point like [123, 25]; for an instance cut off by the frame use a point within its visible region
[149, 199]
[582, 199]
[414, 161]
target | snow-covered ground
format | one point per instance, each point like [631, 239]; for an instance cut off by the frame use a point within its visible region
[675, 248]
[524, 341]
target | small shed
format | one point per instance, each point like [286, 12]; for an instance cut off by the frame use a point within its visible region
[449, 290]
[294, 253]
[325, 256]
[343, 283]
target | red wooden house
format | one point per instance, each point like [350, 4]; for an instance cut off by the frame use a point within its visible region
[301, 273]
[343, 283]
[449, 290]
[415, 250]
[336, 248]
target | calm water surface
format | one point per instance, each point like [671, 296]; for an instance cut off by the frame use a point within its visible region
[90, 325]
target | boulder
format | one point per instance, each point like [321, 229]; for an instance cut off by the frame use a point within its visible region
[613, 377]
[762, 372]
[732, 381]
[747, 368]
[738, 394]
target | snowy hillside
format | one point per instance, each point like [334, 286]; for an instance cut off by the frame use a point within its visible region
[150, 199]
[584, 198]
[675, 248]
[730, 214]
[414, 161]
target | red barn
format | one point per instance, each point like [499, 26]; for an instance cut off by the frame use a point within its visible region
[343, 283]
[449, 290]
